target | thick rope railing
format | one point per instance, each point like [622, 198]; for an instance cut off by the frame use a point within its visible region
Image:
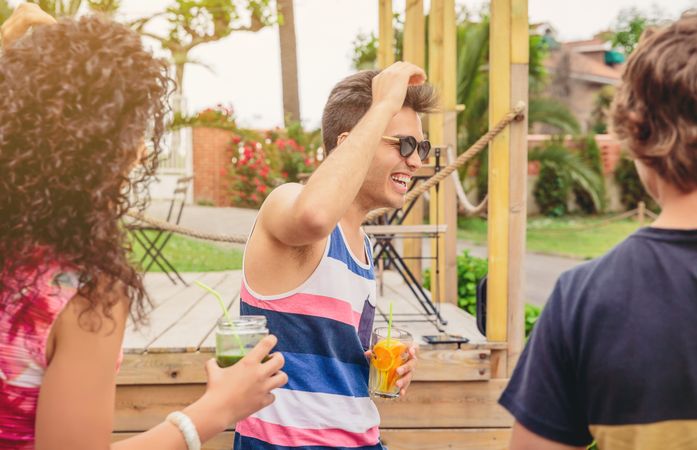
[161, 224]
[515, 115]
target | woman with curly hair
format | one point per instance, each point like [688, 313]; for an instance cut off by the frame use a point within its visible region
[78, 99]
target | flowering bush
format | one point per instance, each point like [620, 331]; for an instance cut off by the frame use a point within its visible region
[251, 175]
[219, 116]
[262, 161]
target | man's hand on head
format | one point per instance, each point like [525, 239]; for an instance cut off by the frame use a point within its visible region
[25, 16]
[390, 85]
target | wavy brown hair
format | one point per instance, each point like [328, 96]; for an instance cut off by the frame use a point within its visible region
[77, 100]
[654, 111]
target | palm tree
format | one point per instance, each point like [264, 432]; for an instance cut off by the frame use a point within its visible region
[289, 62]
[573, 169]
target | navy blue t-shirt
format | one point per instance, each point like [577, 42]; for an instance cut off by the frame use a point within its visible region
[613, 356]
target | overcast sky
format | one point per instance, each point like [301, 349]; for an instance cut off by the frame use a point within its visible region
[247, 71]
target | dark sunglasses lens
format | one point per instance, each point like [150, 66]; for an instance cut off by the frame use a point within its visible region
[424, 149]
[407, 146]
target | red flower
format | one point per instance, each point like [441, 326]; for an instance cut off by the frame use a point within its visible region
[261, 188]
[236, 139]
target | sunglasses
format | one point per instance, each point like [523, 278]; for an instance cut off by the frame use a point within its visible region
[408, 144]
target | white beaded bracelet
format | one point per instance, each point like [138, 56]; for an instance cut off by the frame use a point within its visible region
[186, 426]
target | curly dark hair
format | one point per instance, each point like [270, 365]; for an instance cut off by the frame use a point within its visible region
[79, 101]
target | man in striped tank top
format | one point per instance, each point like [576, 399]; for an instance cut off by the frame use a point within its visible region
[308, 265]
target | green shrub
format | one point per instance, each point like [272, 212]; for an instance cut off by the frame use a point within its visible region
[631, 190]
[590, 154]
[470, 271]
[551, 191]
[532, 313]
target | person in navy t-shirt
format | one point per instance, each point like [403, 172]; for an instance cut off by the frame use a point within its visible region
[613, 358]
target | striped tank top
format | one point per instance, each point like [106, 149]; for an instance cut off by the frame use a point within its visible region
[323, 329]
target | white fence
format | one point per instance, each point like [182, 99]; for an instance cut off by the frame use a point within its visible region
[176, 161]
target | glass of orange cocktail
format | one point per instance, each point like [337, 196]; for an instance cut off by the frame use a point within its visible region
[390, 349]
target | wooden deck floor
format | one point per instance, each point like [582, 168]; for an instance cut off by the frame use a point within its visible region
[451, 404]
[184, 317]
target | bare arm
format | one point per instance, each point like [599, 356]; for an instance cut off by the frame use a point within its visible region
[524, 439]
[299, 216]
[25, 16]
[76, 402]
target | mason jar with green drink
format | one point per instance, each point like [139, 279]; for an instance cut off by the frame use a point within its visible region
[236, 336]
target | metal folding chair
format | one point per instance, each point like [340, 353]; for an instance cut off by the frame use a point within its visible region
[383, 248]
[154, 240]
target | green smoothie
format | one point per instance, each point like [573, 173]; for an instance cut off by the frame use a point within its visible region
[231, 360]
[228, 360]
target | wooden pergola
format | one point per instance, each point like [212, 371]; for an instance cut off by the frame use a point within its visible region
[508, 72]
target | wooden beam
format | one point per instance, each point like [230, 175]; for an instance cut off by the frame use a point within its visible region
[385, 34]
[518, 182]
[409, 439]
[414, 51]
[442, 132]
[435, 404]
[450, 364]
[447, 438]
[499, 169]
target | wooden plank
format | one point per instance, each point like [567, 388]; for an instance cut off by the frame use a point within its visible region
[426, 171]
[453, 365]
[161, 289]
[499, 168]
[435, 134]
[405, 229]
[165, 316]
[517, 184]
[163, 368]
[411, 439]
[199, 321]
[385, 34]
[447, 404]
[435, 364]
[442, 130]
[458, 405]
[499, 363]
[414, 33]
[447, 438]
[223, 441]
[518, 216]
[520, 44]
[414, 52]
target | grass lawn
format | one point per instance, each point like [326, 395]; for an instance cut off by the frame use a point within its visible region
[559, 236]
[192, 255]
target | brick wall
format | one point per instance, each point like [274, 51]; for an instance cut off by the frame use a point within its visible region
[211, 151]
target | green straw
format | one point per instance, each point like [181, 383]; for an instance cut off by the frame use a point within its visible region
[389, 325]
[225, 312]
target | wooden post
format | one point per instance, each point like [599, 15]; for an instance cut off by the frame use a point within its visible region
[518, 181]
[499, 169]
[385, 34]
[442, 59]
[414, 52]
[642, 213]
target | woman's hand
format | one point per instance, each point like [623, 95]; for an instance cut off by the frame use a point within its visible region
[237, 391]
[24, 17]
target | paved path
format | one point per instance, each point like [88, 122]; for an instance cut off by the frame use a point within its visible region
[541, 271]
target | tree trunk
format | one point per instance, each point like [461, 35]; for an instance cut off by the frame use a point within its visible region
[289, 63]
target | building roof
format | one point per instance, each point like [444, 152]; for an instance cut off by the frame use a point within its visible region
[583, 66]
